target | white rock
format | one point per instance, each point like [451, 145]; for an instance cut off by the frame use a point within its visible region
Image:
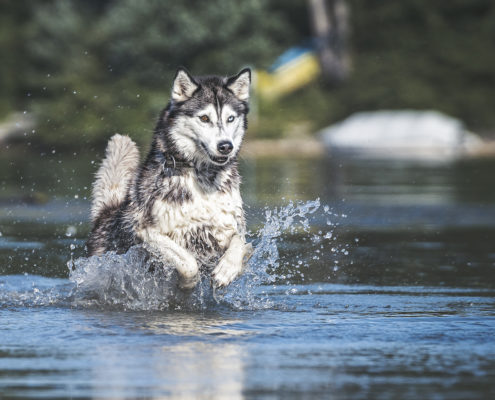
[400, 134]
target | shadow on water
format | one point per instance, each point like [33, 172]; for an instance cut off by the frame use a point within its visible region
[384, 288]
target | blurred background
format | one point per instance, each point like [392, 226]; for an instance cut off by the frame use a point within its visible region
[74, 72]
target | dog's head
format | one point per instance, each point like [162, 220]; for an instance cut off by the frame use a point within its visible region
[207, 116]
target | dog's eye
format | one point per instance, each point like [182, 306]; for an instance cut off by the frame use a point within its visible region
[231, 118]
[204, 118]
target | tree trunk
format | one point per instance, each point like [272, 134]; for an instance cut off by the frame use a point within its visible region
[330, 22]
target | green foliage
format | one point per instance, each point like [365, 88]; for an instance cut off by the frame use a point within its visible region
[99, 68]
[425, 54]
[13, 17]
[207, 35]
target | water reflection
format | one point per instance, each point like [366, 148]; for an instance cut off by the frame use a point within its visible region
[369, 181]
[68, 176]
[192, 325]
[192, 366]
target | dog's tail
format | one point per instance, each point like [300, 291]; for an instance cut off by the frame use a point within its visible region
[115, 174]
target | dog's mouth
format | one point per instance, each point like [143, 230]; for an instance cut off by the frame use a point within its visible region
[218, 160]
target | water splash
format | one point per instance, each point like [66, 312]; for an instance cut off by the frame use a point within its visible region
[132, 280]
[247, 292]
[33, 291]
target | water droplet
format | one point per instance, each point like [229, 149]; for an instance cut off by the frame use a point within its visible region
[71, 231]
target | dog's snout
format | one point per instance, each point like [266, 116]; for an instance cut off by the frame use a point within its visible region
[225, 147]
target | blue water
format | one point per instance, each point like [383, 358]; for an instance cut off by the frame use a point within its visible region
[320, 340]
[383, 288]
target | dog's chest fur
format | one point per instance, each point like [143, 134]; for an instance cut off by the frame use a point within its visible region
[203, 221]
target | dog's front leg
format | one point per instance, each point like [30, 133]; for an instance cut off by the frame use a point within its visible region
[174, 255]
[231, 264]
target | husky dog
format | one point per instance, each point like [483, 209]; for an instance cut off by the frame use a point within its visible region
[183, 202]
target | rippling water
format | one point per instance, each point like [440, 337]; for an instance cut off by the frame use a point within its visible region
[369, 280]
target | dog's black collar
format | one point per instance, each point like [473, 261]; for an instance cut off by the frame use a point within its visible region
[169, 161]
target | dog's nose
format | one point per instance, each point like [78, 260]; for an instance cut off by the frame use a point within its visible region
[225, 147]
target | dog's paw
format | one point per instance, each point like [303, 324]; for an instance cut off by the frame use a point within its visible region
[188, 283]
[188, 276]
[226, 271]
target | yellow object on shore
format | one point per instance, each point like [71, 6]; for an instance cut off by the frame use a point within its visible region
[290, 76]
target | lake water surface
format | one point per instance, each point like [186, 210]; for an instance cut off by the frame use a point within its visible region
[370, 279]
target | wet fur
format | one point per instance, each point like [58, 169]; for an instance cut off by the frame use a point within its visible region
[192, 217]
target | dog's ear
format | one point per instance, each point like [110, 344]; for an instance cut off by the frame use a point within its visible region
[184, 85]
[239, 84]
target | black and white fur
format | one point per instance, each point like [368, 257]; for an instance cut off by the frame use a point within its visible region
[183, 202]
